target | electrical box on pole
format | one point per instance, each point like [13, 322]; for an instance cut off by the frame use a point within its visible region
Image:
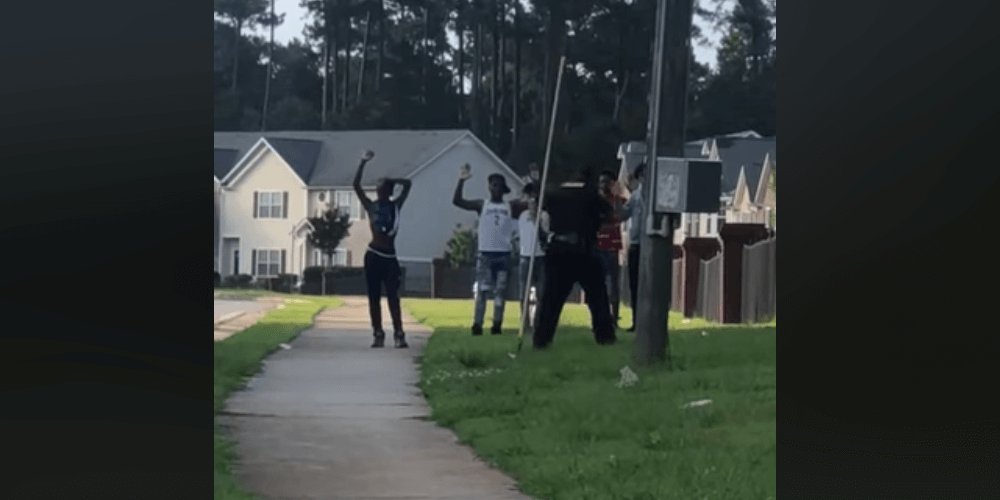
[684, 185]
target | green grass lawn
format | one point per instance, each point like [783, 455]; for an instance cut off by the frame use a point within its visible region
[238, 358]
[253, 293]
[559, 424]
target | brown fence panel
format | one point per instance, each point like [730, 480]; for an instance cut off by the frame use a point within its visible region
[677, 285]
[709, 301]
[759, 282]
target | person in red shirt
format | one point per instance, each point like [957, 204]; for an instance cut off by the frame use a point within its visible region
[609, 240]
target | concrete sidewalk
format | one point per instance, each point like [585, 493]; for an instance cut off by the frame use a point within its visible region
[228, 325]
[332, 418]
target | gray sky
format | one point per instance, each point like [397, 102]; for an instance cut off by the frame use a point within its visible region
[295, 22]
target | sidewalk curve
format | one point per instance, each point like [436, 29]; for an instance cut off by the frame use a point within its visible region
[332, 418]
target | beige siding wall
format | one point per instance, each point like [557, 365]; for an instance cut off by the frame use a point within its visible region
[265, 173]
[359, 234]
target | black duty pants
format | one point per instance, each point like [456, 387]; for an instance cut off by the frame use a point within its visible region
[565, 267]
[381, 270]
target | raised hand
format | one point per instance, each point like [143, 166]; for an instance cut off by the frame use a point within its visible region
[368, 155]
[465, 172]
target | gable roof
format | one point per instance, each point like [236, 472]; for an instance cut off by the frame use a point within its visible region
[300, 154]
[762, 182]
[694, 150]
[738, 193]
[225, 159]
[746, 153]
[330, 158]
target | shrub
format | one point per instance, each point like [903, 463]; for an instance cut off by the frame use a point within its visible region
[462, 246]
[312, 277]
[237, 281]
[282, 283]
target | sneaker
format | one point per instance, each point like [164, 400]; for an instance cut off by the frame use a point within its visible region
[400, 338]
[496, 329]
[477, 329]
[379, 339]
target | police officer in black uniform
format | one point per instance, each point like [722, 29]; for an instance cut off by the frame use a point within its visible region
[576, 212]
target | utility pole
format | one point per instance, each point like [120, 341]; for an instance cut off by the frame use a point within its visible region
[665, 137]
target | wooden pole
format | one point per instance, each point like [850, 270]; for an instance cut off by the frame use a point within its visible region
[541, 200]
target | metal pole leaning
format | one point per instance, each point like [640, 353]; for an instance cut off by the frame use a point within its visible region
[541, 199]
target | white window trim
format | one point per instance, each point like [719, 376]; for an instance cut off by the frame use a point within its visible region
[339, 253]
[353, 203]
[269, 263]
[281, 201]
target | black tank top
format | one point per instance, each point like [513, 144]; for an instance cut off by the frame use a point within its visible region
[384, 217]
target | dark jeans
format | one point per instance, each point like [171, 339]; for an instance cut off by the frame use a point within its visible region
[563, 269]
[381, 270]
[609, 263]
[633, 276]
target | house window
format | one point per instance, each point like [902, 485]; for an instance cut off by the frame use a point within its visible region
[269, 205]
[339, 258]
[347, 202]
[268, 262]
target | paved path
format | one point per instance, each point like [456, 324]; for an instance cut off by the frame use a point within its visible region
[238, 315]
[224, 308]
[332, 418]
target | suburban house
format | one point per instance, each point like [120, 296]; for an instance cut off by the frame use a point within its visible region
[269, 183]
[748, 162]
[224, 159]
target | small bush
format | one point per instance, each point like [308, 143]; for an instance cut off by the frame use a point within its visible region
[282, 283]
[312, 277]
[237, 281]
[461, 248]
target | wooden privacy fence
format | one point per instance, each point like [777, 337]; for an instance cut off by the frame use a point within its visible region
[759, 282]
[677, 285]
[709, 301]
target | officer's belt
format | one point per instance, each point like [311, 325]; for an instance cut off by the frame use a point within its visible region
[570, 238]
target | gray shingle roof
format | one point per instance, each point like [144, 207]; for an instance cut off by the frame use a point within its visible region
[747, 153]
[224, 160]
[330, 158]
[693, 150]
[301, 155]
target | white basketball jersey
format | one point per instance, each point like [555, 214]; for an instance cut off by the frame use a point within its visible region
[495, 227]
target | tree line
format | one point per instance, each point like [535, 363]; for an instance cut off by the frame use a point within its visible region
[489, 66]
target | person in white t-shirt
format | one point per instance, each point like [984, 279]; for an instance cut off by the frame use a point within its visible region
[496, 223]
[526, 230]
